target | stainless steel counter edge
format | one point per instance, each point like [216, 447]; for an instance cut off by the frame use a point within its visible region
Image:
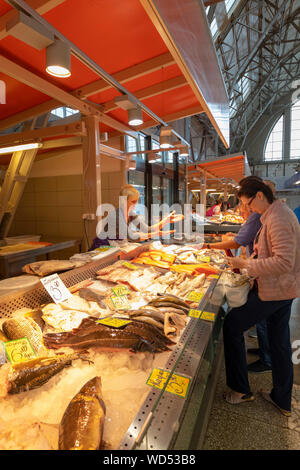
[151, 428]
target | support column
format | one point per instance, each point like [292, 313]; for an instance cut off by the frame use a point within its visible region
[175, 178]
[186, 184]
[91, 178]
[148, 180]
[203, 193]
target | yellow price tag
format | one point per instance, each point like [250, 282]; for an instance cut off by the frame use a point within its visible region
[130, 266]
[114, 322]
[205, 259]
[194, 313]
[19, 350]
[120, 302]
[209, 316]
[178, 384]
[120, 290]
[158, 378]
[213, 276]
[195, 296]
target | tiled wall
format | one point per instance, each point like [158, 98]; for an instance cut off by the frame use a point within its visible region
[53, 207]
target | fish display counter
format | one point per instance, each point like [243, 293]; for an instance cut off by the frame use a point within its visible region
[124, 350]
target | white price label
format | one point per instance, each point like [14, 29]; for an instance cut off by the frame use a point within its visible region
[56, 288]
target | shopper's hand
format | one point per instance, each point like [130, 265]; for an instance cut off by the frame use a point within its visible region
[237, 262]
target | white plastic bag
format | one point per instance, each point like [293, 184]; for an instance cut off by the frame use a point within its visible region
[236, 296]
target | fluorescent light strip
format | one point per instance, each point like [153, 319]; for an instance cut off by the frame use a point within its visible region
[18, 148]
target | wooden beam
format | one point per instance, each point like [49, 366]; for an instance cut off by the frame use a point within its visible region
[34, 81]
[123, 76]
[65, 142]
[153, 90]
[77, 128]
[130, 73]
[41, 7]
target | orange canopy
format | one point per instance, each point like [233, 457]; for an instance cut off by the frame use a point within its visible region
[120, 37]
[230, 168]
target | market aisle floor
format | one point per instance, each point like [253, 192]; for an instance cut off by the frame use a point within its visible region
[257, 425]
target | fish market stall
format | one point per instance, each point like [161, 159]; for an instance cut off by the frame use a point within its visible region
[139, 334]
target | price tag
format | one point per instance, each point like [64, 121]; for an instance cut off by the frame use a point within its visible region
[195, 296]
[120, 302]
[205, 259]
[56, 288]
[194, 313]
[177, 385]
[114, 322]
[208, 316]
[213, 276]
[120, 290]
[19, 350]
[130, 266]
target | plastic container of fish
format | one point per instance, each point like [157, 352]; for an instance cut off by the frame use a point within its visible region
[22, 239]
[7, 286]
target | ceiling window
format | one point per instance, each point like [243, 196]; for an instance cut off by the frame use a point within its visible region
[214, 27]
[295, 131]
[274, 146]
[64, 112]
[229, 5]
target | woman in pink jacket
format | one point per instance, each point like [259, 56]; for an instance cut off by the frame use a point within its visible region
[275, 266]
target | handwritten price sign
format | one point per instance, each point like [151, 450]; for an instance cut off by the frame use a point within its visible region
[120, 303]
[114, 322]
[208, 316]
[178, 384]
[195, 296]
[56, 288]
[120, 290]
[19, 350]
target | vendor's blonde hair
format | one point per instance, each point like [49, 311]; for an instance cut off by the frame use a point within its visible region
[129, 191]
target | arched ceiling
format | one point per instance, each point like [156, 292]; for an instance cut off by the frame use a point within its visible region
[258, 47]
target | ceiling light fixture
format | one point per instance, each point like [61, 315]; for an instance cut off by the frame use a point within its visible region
[135, 113]
[58, 59]
[184, 151]
[19, 148]
[165, 137]
[135, 116]
[132, 165]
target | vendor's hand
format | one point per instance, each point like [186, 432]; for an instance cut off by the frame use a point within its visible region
[236, 262]
[176, 218]
[168, 218]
